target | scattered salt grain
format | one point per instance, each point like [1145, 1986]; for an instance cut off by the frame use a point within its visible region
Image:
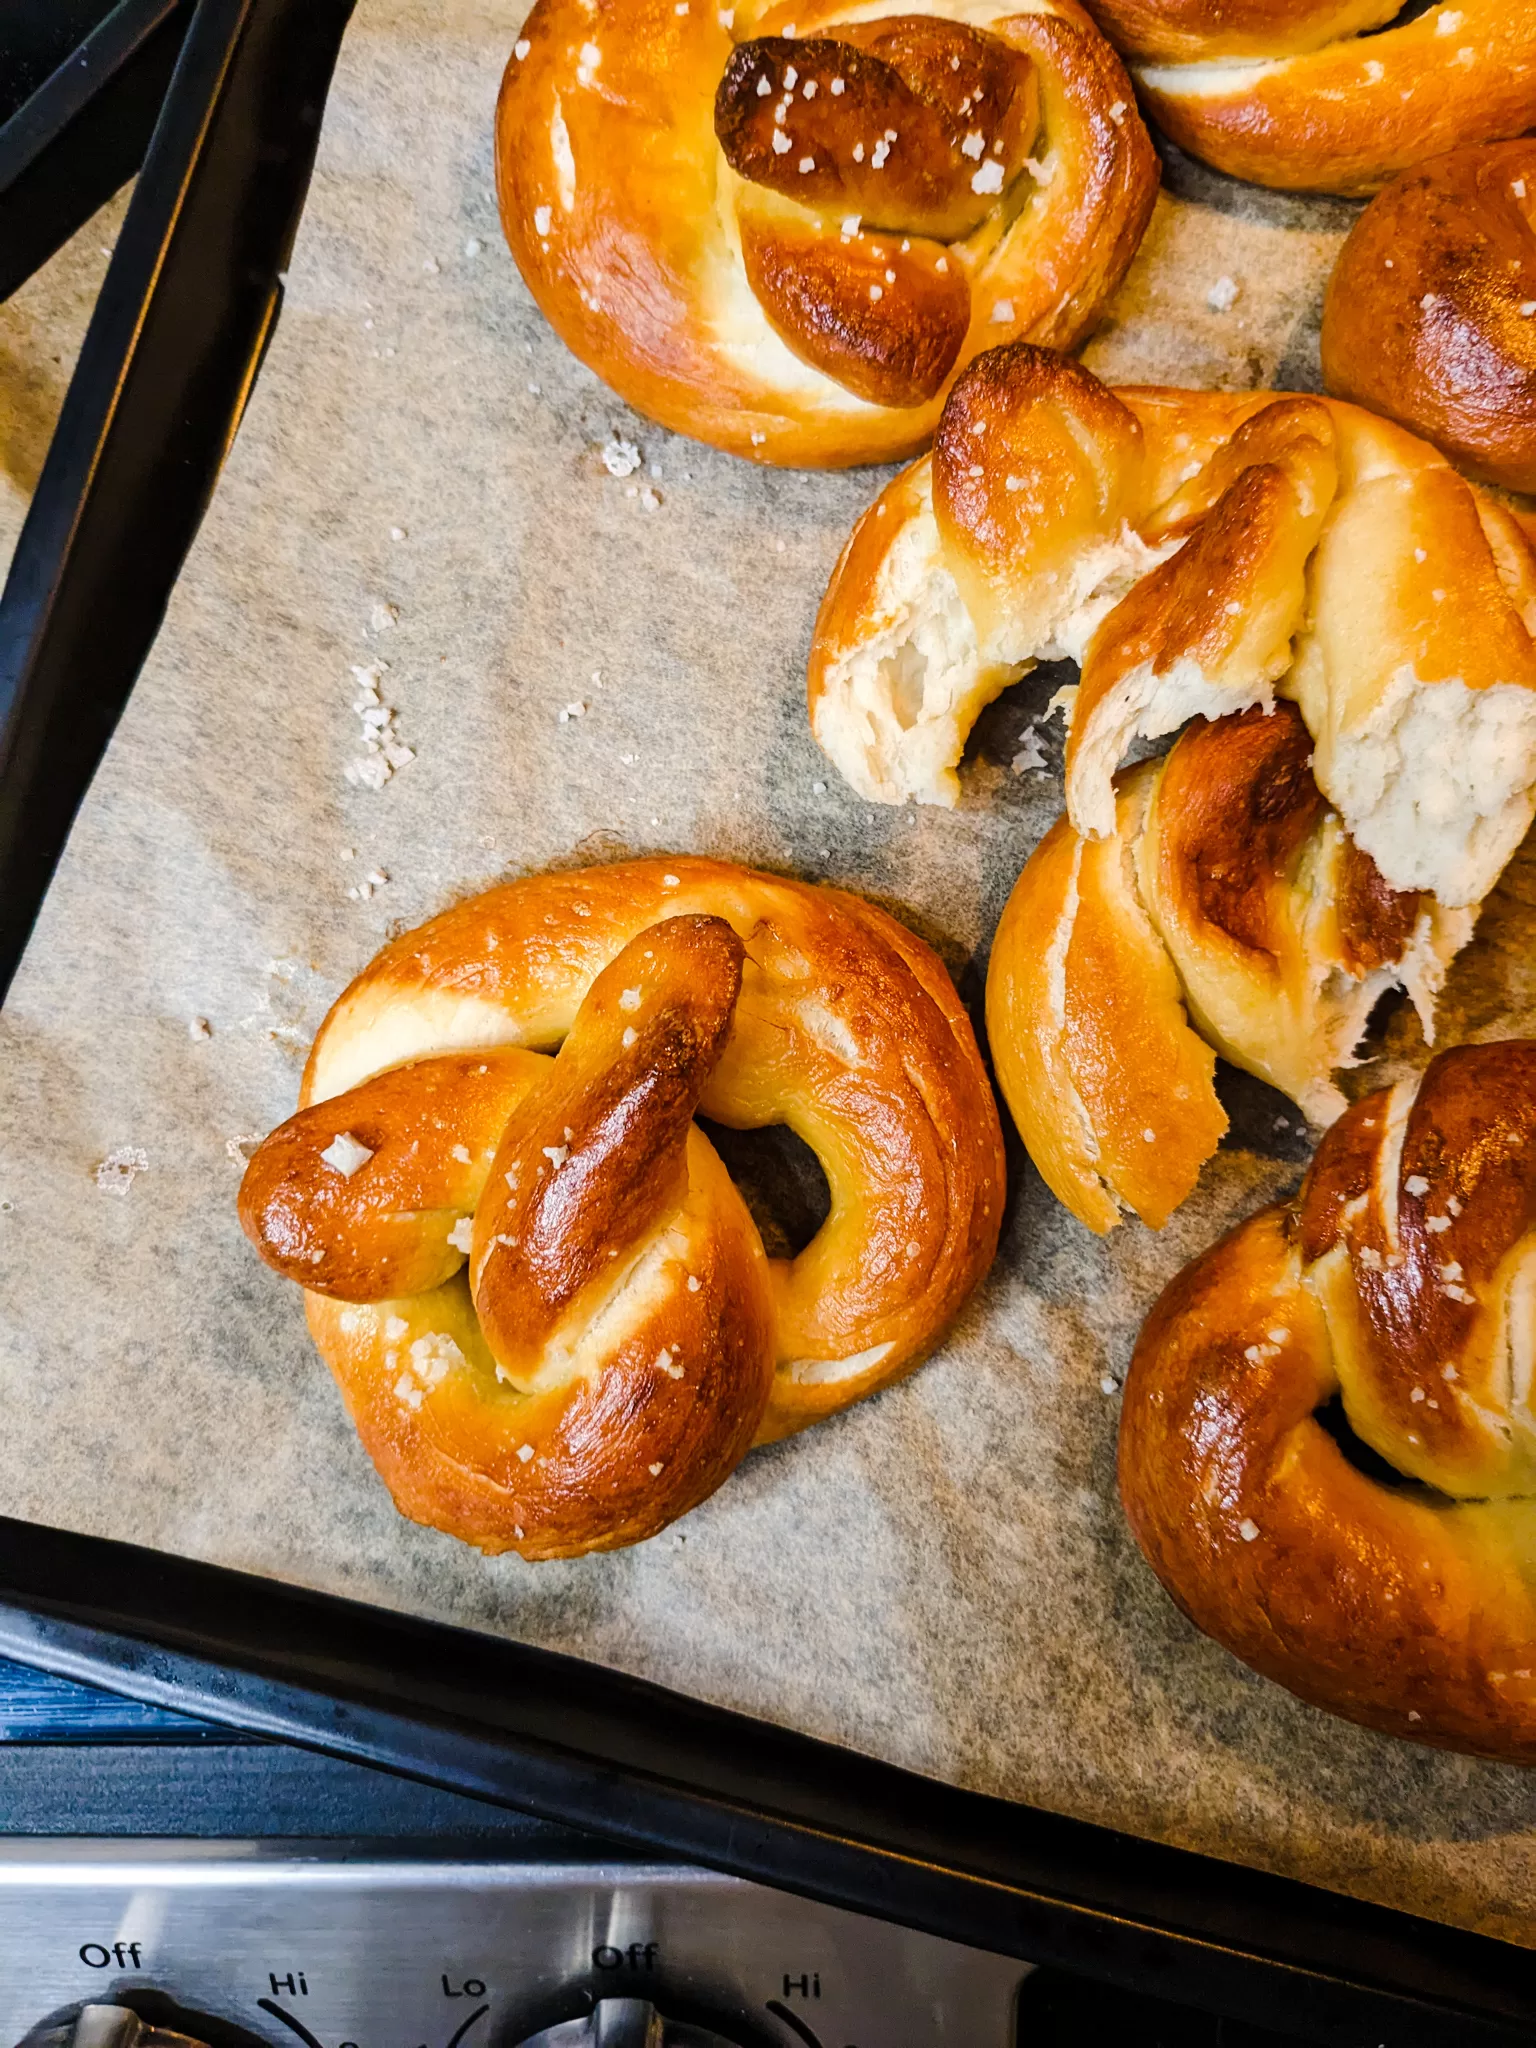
[461, 1234]
[620, 457]
[990, 178]
[654, 1470]
[117, 1172]
[557, 1155]
[1002, 311]
[1415, 1184]
[1247, 1529]
[524, 1453]
[521, 48]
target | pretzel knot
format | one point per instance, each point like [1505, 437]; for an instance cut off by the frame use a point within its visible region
[784, 229]
[1328, 1442]
[547, 1305]
[1196, 553]
[1307, 97]
[1230, 912]
[1431, 310]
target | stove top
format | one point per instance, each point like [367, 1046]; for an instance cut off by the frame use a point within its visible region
[240, 1893]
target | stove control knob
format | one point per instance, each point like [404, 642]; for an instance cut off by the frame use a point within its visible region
[626, 2023]
[108, 2026]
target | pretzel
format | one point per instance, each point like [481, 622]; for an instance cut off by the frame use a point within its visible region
[1228, 912]
[1327, 1440]
[1430, 315]
[1305, 97]
[783, 229]
[548, 1309]
[1196, 553]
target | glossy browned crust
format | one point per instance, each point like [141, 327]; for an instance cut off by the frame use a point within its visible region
[915, 76]
[1112, 1090]
[1196, 31]
[878, 314]
[1407, 1609]
[1349, 116]
[630, 233]
[665, 984]
[1423, 319]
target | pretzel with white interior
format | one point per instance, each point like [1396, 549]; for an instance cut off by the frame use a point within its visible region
[784, 229]
[1303, 95]
[1196, 553]
[1229, 912]
[1392, 1303]
[548, 1308]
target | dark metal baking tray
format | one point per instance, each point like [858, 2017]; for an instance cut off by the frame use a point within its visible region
[173, 349]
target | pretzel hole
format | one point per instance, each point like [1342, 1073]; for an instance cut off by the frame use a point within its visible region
[779, 1178]
[1370, 1464]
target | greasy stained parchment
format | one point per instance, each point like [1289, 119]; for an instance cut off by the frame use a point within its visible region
[584, 663]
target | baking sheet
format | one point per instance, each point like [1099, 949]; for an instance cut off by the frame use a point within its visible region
[584, 664]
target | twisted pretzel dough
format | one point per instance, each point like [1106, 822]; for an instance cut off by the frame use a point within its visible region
[1401, 1286]
[1228, 912]
[1431, 310]
[1299, 94]
[783, 229]
[618, 1338]
[1196, 553]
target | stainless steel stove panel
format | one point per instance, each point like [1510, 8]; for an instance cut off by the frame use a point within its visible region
[334, 1950]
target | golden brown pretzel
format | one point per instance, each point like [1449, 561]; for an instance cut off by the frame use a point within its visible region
[1398, 1291]
[1196, 552]
[1300, 94]
[1431, 310]
[617, 1338]
[783, 228]
[1228, 912]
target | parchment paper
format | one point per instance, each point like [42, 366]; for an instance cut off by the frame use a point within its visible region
[941, 1577]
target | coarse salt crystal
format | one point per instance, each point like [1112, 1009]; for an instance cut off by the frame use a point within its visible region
[620, 457]
[630, 1036]
[1109, 1385]
[973, 144]
[629, 999]
[1002, 311]
[1223, 294]
[693, 1283]
[1448, 23]
[117, 1171]
[1013, 483]
[1437, 1223]
[1374, 71]
[1117, 112]
[524, 1453]
[1415, 1184]
[849, 225]
[806, 163]
[461, 1153]
[781, 144]
[346, 1154]
[1247, 1529]
[557, 1155]
[521, 48]
[670, 881]
[543, 220]
[989, 178]
[764, 87]
[461, 1235]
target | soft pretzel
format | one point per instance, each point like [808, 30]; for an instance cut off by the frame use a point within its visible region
[1228, 912]
[548, 1308]
[1196, 553]
[1430, 315]
[1328, 1443]
[1307, 97]
[783, 228]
